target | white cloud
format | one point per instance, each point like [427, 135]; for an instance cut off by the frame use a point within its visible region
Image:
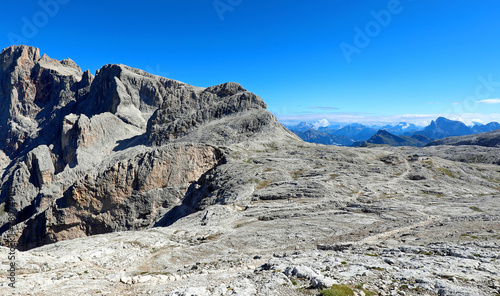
[322, 123]
[490, 101]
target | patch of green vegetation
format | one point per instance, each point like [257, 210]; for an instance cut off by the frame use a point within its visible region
[333, 176]
[367, 292]
[337, 290]
[476, 209]
[296, 174]
[427, 253]
[446, 172]
[267, 170]
[271, 147]
[372, 255]
[294, 282]
[343, 262]
[2, 209]
[429, 163]
[468, 235]
[377, 268]
[264, 184]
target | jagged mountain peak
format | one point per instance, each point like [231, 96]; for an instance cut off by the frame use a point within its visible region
[114, 152]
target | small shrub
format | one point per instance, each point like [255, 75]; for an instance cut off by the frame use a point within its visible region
[338, 290]
[427, 253]
[476, 209]
[446, 172]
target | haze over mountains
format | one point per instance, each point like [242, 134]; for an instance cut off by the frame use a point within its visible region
[402, 134]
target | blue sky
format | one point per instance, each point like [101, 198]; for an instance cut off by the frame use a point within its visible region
[369, 62]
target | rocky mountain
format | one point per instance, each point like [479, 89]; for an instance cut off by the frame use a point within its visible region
[86, 155]
[488, 139]
[383, 137]
[320, 137]
[302, 127]
[483, 128]
[128, 183]
[443, 127]
[332, 135]
[402, 128]
[355, 131]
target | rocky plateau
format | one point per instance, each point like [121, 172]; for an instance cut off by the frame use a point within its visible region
[127, 183]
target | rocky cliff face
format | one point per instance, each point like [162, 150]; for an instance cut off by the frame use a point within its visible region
[34, 92]
[84, 155]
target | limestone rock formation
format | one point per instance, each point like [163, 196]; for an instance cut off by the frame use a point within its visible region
[223, 114]
[132, 94]
[34, 93]
[77, 158]
[201, 191]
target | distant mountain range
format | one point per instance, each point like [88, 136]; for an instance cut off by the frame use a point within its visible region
[402, 134]
[320, 137]
[383, 137]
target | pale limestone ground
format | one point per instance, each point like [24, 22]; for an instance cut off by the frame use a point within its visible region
[311, 214]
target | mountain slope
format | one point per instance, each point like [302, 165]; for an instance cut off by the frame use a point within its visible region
[383, 137]
[87, 155]
[488, 139]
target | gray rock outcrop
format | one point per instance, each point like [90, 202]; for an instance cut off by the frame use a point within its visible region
[34, 93]
[76, 160]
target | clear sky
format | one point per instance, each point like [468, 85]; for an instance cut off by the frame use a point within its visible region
[344, 61]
